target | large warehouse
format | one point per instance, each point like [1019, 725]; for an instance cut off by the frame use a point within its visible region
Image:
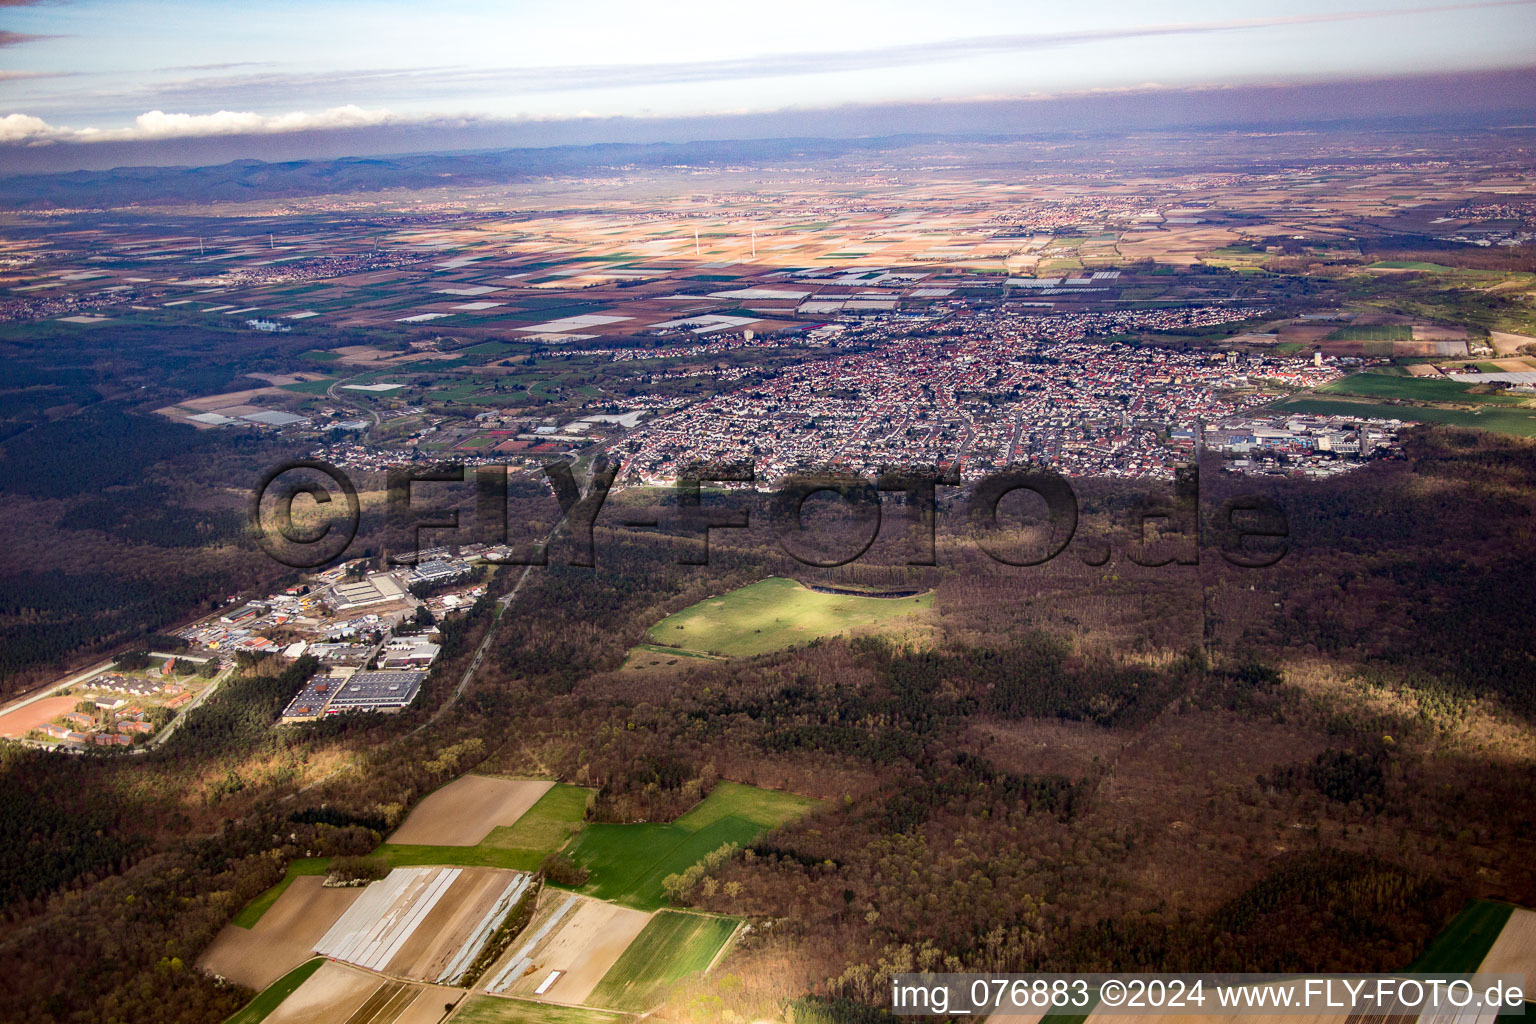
[387, 691]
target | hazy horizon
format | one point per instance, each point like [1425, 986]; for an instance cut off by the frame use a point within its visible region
[94, 85]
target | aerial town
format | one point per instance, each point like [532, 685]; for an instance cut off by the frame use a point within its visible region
[373, 633]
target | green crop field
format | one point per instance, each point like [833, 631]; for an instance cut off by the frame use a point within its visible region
[775, 613]
[1420, 389]
[628, 862]
[1377, 332]
[487, 348]
[547, 824]
[252, 911]
[494, 1010]
[457, 393]
[522, 846]
[673, 945]
[261, 1007]
[400, 855]
[1466, 940]
[1515, 422]
[487, 1009]
[310, 387]
[1407, 265]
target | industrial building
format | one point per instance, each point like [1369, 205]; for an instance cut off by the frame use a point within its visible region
[385, 690]
[438, 573]
[362, 690]
[375, 589]
[310, 702]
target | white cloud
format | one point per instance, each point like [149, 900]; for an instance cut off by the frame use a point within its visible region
[157, 124]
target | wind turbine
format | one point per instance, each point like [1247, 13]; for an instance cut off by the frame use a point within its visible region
[695, 241]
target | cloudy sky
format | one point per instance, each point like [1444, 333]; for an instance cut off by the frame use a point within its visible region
[81, 73]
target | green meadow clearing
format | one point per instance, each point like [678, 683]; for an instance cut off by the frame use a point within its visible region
[628, 862]
[776, 613]
[673, 944]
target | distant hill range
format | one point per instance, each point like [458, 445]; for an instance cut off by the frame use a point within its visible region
[243, 180]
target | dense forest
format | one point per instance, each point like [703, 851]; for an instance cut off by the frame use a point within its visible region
[1309, 766]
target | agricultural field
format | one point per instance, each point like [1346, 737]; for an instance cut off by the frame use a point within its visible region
[547, 825]
[337, 993]
[776, 613]
[465, 811]
[1466, 940]
[1516, 422]
[428, 924]
[284, 937]
[519, 845]
[1514, 951]
[674, 945]
[260, 1008]
[494, 1010]
[568, 947]
[304, 866]
[629, 862]
[1414, 389]
[1377, 332]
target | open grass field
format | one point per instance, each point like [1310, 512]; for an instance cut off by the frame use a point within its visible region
[675, 944]
[653, 655]
[310, 387]
[547, 824]
[481, 856]
[258, 1009]
[495, 1010]
[1515, 422]
[1407, 265]
[465, 811]
[1466, 940]
[1420, 389]
[628, 862]
[776, 613]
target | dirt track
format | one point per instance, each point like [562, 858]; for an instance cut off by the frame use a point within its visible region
[18, 723]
